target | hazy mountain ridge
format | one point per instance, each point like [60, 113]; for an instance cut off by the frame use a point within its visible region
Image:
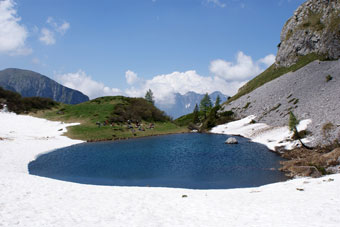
[185, 104]
[32, 84]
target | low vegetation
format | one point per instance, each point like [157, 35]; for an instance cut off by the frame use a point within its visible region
[328, 78]
[272, 73]
[313, 21]
[113, 118]
[206, 117]
[18, 104]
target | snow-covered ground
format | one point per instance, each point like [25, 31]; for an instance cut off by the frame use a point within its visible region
[262, 133]
[27, 200]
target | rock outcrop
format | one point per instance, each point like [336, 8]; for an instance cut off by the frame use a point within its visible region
[314, 28]
[231, 140]
[312, 92]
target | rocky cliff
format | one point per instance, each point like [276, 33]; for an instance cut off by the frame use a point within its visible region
[308, 88]
[314, 28]
[32, 84]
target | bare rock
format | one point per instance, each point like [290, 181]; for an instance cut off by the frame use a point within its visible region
[314, 28]
[304, 171]
[231, 140]
[332, 158]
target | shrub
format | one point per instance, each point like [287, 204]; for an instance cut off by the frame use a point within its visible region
[137, 109]
[247, 105]
[328, 78]
[18, 104]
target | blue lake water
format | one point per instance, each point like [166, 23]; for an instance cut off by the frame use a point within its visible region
[196, 161]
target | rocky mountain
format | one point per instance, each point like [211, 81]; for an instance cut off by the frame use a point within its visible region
[309, 88]
[185, 104]
[32, 84]
[314, 28]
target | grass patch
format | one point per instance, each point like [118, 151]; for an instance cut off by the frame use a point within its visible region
[334, 22]
[274, 72]
[111, 113]
[313, 21]
[247, 105]
[185, 120]
[289, 34]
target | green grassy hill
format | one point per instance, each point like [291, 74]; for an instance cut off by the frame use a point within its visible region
[107, 118]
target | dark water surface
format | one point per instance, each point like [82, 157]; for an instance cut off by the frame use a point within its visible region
[197, 161]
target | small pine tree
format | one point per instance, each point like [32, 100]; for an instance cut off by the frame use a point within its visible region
[205, 105]
[149, 96]
[218, 100]
[196, 118]
[293, 122]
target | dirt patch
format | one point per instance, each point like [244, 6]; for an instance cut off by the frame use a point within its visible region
[311, 163]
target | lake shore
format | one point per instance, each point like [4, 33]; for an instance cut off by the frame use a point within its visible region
[300, 161]
[28, 200]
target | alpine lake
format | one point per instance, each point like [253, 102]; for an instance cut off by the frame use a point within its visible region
[192, 160]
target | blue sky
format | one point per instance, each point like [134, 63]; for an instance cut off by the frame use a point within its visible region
[127, 46]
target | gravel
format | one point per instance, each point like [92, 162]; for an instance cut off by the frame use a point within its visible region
[306, 93]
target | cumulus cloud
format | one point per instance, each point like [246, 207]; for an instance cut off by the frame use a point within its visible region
[165, 86]
[216, 3]
[48, 35]
[131, 77]
[84, 83]
[13, 35]
[227, 77]
[268, 60]
[243, 69]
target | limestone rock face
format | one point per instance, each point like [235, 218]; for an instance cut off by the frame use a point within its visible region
[314, 28]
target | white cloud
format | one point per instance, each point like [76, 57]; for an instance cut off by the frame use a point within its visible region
[84, 83]
[165, 86]
[131, 77]
[244, 68]
[217, 3]
[63, 28]
[227, 77]
[60, 28]
[13, 35]
[268, 60]
[47, 37]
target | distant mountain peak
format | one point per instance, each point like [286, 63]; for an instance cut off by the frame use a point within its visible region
[30, 84]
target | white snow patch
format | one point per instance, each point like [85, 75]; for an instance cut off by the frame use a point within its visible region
[262, 133]
[27, 200]
[187, 105]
